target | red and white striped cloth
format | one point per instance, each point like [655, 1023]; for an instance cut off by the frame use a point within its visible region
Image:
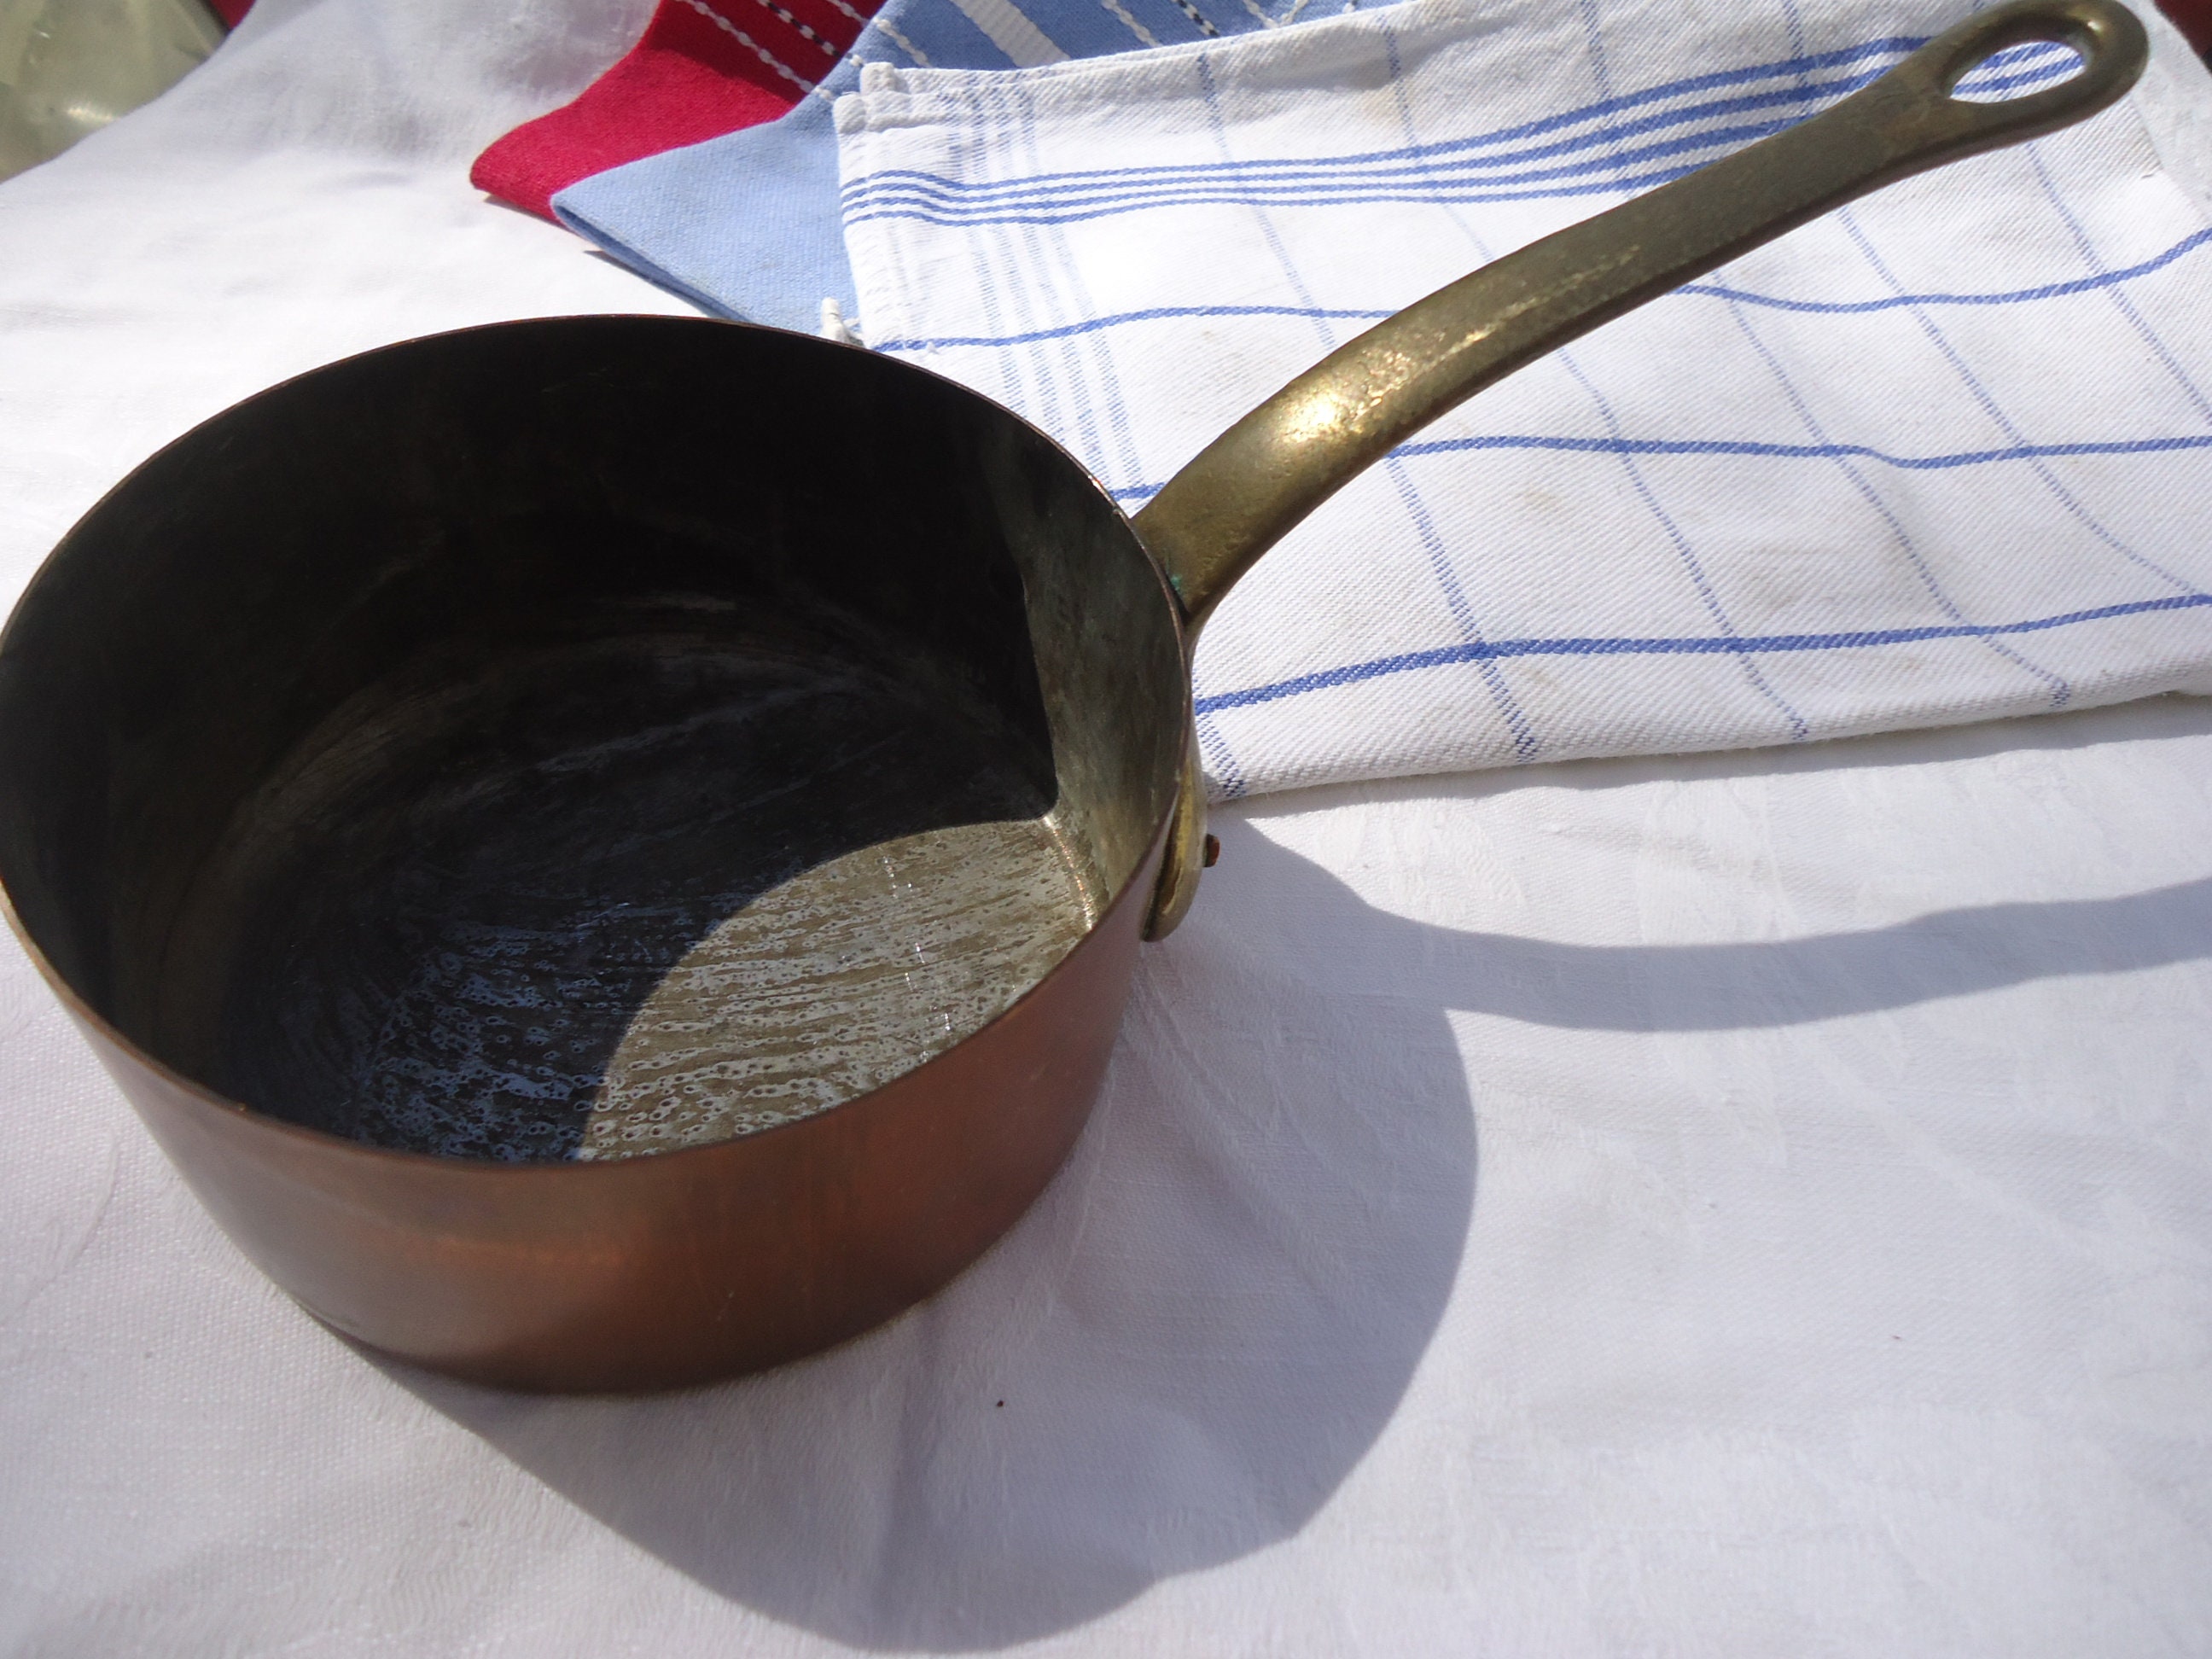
[701, 69]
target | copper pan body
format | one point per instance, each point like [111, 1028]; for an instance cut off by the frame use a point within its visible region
[398, 772]
[550, 537]
[657, 1271]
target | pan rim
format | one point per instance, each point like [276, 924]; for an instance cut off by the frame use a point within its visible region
[1132, 888]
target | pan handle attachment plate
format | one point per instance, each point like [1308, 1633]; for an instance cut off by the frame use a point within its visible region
[1255, 483]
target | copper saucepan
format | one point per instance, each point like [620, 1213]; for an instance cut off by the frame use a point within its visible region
[664, 902]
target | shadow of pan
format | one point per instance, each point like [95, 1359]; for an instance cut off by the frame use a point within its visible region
[1734, 985]
[1196, 1334]
[1213, 1314]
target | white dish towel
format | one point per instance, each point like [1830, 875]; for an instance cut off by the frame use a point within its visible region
[1941, 456]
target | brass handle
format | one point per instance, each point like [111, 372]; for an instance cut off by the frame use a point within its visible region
[1252, 485]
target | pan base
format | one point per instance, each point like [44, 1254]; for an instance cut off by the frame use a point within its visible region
[619, 897]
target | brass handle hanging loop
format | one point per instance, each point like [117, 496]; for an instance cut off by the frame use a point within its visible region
[1252, 485]
[1255, 483]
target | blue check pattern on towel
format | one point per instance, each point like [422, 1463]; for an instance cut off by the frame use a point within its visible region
[1942, 456]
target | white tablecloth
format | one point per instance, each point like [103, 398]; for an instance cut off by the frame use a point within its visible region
[1755, 1204]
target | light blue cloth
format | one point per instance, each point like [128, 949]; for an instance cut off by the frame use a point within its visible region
[747, 226]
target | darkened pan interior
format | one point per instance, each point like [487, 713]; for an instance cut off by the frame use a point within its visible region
[370, 755]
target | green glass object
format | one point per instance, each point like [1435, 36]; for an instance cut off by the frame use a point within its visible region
[69, 67]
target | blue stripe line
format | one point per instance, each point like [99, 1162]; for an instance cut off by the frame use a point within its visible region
[2121, 302]
[1692, 562]
[1796, 452]
[1711, 290]
[956, 207]
[1625, 185]
[1527, 742]
[1157, 314]
[1848, 219]
[1420, 155]
[1410, 162]
[1612, 187]
[1445, 656]
[2061, 692]
[1218, 748]
[2188, 244]
[1778, 451]
[1894, 46]
[886, 193]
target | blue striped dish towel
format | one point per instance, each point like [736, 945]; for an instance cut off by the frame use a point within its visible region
[747, 225]
[1942, 456]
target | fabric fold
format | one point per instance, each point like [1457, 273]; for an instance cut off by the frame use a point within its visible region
[703, 68]
[1941, 456]
[747, 225]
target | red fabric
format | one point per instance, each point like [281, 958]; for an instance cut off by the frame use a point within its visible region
[231, 10]
[703, 68]
[2193, 18]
